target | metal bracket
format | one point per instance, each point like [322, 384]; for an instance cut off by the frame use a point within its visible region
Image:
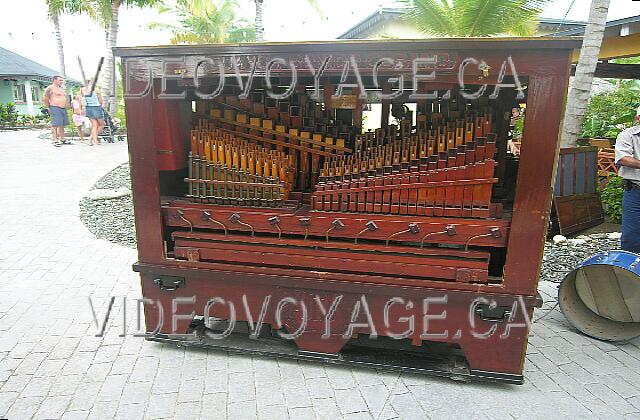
[493, 314]
[169, 283]
[371, 226]
[208, 217]
[336, 224]
[305, 221]
[275, 221]
[235, 219]
[180, 216]
[413, 228]
[449, 230]
[494, 232]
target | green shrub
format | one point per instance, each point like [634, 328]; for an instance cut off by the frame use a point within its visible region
[610, 112]
[11, 114]
[3, 115]
[611, 196]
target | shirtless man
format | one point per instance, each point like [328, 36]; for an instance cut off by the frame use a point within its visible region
[55, 98]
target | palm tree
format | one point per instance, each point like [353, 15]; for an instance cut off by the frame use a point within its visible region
[259, 24]
[466, 18]
[578, 98]
[260, 12]
[206, 22]
[107, 17]
[55, 8]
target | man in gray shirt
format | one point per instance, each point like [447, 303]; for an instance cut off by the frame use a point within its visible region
[628, 159]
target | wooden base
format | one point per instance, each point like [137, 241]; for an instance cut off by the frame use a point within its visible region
[489, 342]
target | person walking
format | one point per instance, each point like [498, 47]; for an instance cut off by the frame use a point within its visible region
[93, 111]
[78, 117]
[55, 99]
[628, 160]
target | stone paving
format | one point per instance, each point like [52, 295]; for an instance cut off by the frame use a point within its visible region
[53, 366]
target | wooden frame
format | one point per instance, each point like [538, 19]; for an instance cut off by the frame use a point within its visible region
[546, 65]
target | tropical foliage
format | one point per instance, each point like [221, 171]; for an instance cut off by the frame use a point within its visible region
[467, 18]
[207, 22]
[8, 114]
[611, 196]
[611, 112]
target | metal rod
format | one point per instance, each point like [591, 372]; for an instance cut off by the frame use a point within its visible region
[413, 228]
[207, 216]
[449, 230]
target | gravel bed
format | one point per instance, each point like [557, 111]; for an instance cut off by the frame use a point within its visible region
[560, 259]
[111, 219]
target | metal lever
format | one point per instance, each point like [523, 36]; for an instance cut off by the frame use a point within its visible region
[449, 230]
[336, 224]
[275, 221]
[371, 226]
[494, 232]
[180, 215]
[413, 228]
[235, 218]
[207, 216]
[305, 221]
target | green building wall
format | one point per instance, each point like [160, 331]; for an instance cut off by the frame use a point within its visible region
[6, 96]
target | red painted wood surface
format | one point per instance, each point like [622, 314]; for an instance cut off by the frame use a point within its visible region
[320, 222]
[145, 187]
[545, 63]
[495, 353]
[536, 174]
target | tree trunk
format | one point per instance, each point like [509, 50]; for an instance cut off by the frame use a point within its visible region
[55, 18]
[109, 92]
[259, 25]
[581, 86]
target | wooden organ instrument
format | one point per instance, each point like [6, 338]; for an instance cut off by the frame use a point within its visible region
[289, 196]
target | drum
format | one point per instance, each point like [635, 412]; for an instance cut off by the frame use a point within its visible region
[601, 297]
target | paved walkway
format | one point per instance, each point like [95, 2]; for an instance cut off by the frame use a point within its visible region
[52, 365]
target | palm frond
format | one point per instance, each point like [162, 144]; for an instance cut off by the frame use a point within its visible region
[207, 21]
[464, 18]
[489, 17]
[431, 16]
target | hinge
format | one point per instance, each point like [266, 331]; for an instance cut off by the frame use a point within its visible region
[493, 314]
[169, 283]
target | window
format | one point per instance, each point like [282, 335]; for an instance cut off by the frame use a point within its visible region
[36, 93]
[19, 95]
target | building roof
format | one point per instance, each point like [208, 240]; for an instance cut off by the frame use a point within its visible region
[12, 64]
[386, 13]
[610, 24]
[377, 16]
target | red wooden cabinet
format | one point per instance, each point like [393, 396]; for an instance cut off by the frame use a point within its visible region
[260, 199]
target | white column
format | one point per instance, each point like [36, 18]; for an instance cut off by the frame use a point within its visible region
[27, 94]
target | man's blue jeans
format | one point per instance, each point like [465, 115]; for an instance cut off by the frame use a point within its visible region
[630, 240]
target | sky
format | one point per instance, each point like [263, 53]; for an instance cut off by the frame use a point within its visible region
[26, 30]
